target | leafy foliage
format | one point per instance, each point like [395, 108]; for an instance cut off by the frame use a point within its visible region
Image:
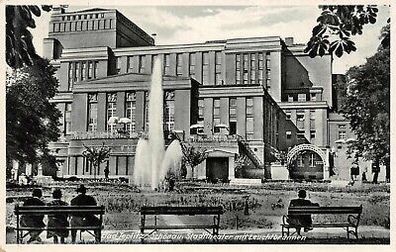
[96, 155]
[367, 106]
[19, 45]
[31, 120]
[336, 25]
[192, 155]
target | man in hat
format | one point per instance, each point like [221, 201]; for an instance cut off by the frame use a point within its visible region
[81, 220]
[301, 220]
[34, 221]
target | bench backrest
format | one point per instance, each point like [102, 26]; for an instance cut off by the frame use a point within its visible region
[305, 210]
[34, 210]
[180, 210]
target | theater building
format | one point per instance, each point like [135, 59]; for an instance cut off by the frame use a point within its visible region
[245, 100]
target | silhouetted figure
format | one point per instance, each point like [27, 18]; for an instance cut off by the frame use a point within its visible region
[106, 172]
[81, 220]
[35, 221]
[57, 220]
[375, 168]
[301, 220]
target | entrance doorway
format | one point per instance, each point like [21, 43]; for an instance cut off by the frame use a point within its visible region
[217, 169]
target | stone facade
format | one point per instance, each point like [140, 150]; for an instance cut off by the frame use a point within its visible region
[269, 94]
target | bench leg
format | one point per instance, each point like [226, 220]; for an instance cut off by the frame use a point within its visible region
[283, 231]
[348, 232]
[142, 222]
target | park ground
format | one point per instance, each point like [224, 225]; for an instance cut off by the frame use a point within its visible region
[267, 203]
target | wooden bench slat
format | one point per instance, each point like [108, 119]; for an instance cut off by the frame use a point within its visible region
[319, 225]
[167, 210]
[307, 210]
[178, 226]
[61, 228]
[27, 210]
[68, 211]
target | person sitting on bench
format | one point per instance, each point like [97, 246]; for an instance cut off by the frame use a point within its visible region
[301, 220]
[57, 220]
[35, 221]
[81, 220]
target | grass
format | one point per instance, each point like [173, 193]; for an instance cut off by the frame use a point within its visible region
[267, 203]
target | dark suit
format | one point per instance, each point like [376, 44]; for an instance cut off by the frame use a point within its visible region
[82, 220]
[301, 220]
[33, 220]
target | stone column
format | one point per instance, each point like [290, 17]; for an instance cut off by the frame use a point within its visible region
[39, 169]
[326, 168]
[231, 168]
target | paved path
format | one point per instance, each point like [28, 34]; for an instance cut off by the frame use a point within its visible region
[133, 236]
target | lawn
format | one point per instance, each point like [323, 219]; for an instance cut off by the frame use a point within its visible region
[267, 202]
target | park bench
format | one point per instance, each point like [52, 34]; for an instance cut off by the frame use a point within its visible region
[351, 222]
[181, 210]
[50, 210]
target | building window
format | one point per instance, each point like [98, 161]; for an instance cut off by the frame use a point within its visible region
[290, 98]
[268, 70]
[130, 111]
[169, 110]
[192, 61]
[233, 108]
[111, 109]
[68, 108]
[341, 134]
[167, 64]
[253, 68]
[300, 135]
[313, 97]
[300, 120]
[146, 109]
[83, 70]
[249, 128]
[218, 59]
[142, 63]
[76, 71]
[249, 118]
[90, 69]
[96, 72]
[238, 69]
[205, 68]
[301, 97]
[261, 68]
[245, 68]
[118, 65]
[249, 106]
[288, 134]
[130, 64]
[92, 112]
[313, 135]
[70, 77]
[216, 108]
[179, 64]
[312, 119]
[201, 108]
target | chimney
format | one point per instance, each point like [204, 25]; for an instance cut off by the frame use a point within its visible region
[289, 41]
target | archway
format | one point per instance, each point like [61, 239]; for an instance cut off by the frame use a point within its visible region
[293, 154]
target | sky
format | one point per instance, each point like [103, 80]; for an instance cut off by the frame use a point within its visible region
[189, 24]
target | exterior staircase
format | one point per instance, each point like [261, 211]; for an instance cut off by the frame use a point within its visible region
[245, 148]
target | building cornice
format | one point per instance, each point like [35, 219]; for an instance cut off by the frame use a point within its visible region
[92, 53]
[230, 91]
[114, 86]
[62, 97]
[304, 105]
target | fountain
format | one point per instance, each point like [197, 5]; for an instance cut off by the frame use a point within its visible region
[152, 162]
